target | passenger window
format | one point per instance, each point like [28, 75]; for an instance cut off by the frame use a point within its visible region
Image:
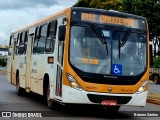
[51, 37]
[17, 44]
[21, 45]
[10, 45]
[25, 41]
[36, 40]
[21, 48]
[42, 39]
[23, 37]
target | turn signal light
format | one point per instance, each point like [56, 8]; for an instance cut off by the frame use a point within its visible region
[50, 60]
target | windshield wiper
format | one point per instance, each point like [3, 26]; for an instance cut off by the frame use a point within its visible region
[125, 37]
[100, 36]
[124, 40]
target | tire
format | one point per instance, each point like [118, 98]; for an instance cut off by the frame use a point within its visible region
[51, 104]
[156, 79]
[20, 91]
[113, 109]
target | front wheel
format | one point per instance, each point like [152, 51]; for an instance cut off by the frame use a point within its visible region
[156, 79]
[51, 104]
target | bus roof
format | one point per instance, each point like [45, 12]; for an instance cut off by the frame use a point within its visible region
[117, 13]
[52, 16]
[41, 21]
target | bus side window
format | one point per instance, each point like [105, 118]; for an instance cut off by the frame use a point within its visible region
[51, 36]
[25, 41]
[10, 46]
[17, 44]
[21, 48]
[36, 40]
[42, 39]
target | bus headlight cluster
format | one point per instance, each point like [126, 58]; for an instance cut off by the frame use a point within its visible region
[142, 87]
[73, 82]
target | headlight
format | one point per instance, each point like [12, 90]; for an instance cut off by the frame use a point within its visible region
[73, 82]
[142, 87]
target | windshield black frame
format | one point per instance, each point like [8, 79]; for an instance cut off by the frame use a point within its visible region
[111, 27]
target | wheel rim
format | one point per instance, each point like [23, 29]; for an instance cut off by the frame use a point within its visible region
[48, 93]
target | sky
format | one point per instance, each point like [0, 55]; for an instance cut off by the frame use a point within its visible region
[17, 13]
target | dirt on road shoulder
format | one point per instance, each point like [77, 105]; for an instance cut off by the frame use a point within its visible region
[153, 98]
[2, 72]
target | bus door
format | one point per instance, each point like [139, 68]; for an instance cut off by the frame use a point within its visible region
[28, 60]
[9, 61]
[59, 66]
[22, 51]
[33, 71]
[13, 81]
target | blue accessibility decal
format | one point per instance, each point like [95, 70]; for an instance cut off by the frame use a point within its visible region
[116, 69]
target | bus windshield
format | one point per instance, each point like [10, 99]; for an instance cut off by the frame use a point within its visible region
[89, 54]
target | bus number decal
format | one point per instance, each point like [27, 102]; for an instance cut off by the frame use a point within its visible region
[90, 61]
[21, 65]
[88, 17]
[34, 71]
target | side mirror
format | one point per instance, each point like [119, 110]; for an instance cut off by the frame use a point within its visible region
[61, 33]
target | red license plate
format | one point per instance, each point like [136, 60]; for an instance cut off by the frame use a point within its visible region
[109, 103]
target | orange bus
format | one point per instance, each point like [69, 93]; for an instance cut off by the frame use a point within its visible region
[82, 56]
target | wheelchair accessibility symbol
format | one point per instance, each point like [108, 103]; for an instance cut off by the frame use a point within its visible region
[117, 69]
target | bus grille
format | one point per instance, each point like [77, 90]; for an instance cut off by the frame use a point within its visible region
[100, 98]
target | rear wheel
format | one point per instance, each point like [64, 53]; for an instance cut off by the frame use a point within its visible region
[19, 90]
[156, 79]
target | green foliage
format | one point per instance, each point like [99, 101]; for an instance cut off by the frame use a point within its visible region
[146, 8]
[3, 62]
[101, 4]
[82, 3]
[156, 62]
[150, 9]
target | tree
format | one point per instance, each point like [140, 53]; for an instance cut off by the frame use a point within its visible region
[82, 3]
[150, 9]
[156, 62]
[3, 62]
[101, 4]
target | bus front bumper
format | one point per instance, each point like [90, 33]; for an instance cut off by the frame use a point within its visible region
[71, 95]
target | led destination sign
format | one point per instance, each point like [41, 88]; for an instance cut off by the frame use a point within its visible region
[109, 19]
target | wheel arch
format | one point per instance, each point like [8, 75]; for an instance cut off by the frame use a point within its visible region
[17, 73]
[45, 83]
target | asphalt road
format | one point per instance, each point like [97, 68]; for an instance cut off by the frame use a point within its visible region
[2, 68]
[9, 101]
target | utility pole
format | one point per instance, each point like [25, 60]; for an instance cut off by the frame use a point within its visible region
[5, 47]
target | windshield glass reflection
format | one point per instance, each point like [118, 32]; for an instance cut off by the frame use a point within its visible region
[89, 54]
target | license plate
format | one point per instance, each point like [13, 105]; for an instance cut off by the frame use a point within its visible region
[109, 103]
